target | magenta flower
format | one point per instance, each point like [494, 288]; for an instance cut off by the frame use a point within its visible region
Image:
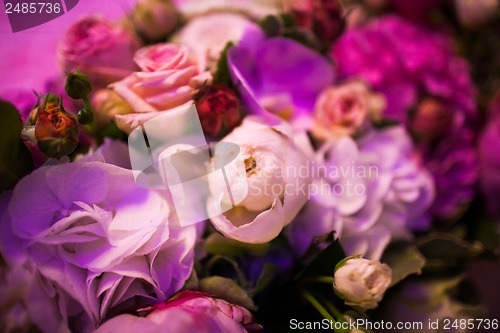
[405, 61]
[409, 63]
[489, 159]
[188, 312]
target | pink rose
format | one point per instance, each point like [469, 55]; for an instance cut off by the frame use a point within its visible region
[107, 104]
[190, 311]
[100, 49]
[342, 110]
[169, 77]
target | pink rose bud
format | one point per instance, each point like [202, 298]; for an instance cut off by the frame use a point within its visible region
[342, 110]
[98, 48]
[219, 110]
[56, 130]
[431, 120]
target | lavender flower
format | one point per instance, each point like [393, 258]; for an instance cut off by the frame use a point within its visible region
[93, 243]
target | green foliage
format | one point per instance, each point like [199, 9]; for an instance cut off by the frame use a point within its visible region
[15, 158]
[404, 260]
[228, 290]
[222, 75]
[219, 245]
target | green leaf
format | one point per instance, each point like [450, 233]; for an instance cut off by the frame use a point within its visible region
[219, 245]
[222, 75]
[218, 264]
[324, 262]
[192, 283]
[386, 123]
[269, 272]
[228, 290]
[404, 260]
[15, 158]
[272, 25]
[447, 246]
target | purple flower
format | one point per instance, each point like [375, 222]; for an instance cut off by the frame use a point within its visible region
[409, 64]
[278, 75]
[405, 61]
[454, 166]
[93, 243]
[369, 191]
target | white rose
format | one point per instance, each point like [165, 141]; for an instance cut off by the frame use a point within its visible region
[207, 35]
[254, 8]
[276, 190]
[362, 283]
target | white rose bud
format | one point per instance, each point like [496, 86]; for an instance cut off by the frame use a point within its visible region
[155, 19]
[362, 282]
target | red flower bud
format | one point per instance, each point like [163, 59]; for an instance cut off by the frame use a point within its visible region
[219, 110]
[431, 120]
[56, 131]
[324, 17]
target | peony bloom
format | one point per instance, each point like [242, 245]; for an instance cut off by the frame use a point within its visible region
[94, 243]
[101, 50]
[342, 110]
[207, 35]
[369, 191]
[187, 312]
[271, 84]
[276, 191]
[362, 283]
[169, 77]
[155, 19]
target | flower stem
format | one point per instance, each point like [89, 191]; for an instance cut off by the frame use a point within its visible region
[317, 305]
[320, 279]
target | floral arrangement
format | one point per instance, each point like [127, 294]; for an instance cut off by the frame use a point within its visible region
[335, 169]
